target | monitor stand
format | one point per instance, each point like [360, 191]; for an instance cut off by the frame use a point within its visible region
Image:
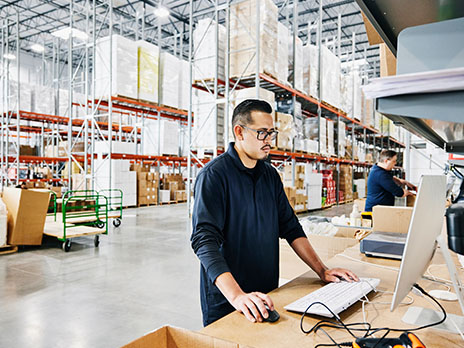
[419, 316]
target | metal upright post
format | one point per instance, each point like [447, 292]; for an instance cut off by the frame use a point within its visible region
[295, 36]
[110, 98]
[339, 35]
[258, 47]
[2, 103]
[70, 95]
[86, 93]
[189, 116]
[227, 71]
[407, 156]
[319, 64]
[216, 75]
[18, 98]
[93, 113]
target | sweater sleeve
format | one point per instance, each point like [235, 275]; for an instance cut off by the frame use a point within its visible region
[389, 184]
[208, 219]
[289, 226]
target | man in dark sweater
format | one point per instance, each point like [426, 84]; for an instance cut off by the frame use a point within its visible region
[239, 214]
[382, 186]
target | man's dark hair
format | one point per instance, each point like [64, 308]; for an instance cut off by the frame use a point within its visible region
[387, 154]
[242, 112]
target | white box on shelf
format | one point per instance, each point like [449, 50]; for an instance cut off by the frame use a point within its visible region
[164, 196]
[148, 71]
[124, 67]
[169, 74]
[330, 65]
[164, 142]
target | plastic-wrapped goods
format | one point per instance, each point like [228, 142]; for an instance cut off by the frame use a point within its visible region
[121, 178]
[184, 84]
[208, 128]
[243, 22]
[323, 139]
[357, 98]
[43, 100]
[310, 70]
[251, 93]
[299, 62]
[124, 73]
[367, 110]
[169, 75]
[121, 147]
[284, 124]
[206, 50]
[330, 138]
[3, 223]
[25, 97]
[162, 142]
[282, 52]
[330, 65]
[342, 138]
[360, 187]
[346, 94]
[148, 71]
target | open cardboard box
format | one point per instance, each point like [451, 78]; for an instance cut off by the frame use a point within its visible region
[27, 211]
[391, 219]
[173, 337]
[326, 247]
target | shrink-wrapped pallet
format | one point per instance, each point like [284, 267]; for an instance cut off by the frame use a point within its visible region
[282, 52]
[162, 142]
[43, 100]
[310, 70]
[243, 37]
[170, 84]
[184, 84]
[206, 50]
[124, 73]
[299, 62]
[208, 128]
[330, 66]
[25, 97]
[148, 71]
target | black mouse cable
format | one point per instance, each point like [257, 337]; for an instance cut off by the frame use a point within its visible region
[369, 331]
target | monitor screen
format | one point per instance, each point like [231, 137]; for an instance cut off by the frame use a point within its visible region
[426, 224]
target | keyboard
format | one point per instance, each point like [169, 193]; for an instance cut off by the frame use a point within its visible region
[336, 296]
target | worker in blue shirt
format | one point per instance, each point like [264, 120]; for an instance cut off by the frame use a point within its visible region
[382, 186]
[240, 212]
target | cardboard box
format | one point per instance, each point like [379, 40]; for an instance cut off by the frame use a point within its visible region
[387, 61]
[173, 337]
[27, 211]
[361, 203]
[410, 200]
[391, 219]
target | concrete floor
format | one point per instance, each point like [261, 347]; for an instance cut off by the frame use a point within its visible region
[143, 275]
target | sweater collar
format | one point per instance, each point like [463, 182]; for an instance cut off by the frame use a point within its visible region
[238, 162]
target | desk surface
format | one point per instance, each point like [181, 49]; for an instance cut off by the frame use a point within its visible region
[286, 332]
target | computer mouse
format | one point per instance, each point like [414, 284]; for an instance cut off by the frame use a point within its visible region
[273, 316]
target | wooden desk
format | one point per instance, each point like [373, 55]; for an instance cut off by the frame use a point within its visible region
[286, 331]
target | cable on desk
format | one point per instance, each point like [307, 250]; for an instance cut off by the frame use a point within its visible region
[368, 331]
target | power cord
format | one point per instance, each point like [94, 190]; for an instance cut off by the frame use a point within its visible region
[368, 331]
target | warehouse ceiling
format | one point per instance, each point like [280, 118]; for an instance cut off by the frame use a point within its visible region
[136, 19]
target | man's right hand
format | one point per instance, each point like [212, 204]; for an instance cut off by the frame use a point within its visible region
[249, 304]
[407, 193]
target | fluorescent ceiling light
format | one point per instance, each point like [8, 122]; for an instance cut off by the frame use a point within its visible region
[9, 56]
[37, 48]
[63, 33]
[161, 12]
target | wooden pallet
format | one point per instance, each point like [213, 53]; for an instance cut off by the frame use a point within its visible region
[181, 201]
[330, 106]
[167, 203]
[8, 249]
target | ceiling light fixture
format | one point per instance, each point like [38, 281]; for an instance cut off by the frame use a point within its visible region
[9, 56]
[63, 33]
[37, 48]
[161, 12]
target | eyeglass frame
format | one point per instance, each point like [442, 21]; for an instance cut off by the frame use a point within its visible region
[273, 134]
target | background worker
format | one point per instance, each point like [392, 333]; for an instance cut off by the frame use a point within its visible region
[382, 186]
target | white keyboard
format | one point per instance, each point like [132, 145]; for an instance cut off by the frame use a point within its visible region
[336, 296]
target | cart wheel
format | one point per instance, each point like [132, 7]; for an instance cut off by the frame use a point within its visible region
[100, 224]
[66, 246]
[96, 241]
[117, 222]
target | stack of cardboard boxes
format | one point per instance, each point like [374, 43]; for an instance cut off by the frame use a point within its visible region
[346, 181]
[296, 194]
[147, 187]
[175, 186]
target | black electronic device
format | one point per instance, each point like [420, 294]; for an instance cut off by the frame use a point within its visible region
[272, 317]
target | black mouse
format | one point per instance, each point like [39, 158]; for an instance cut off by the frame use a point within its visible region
[273, 316]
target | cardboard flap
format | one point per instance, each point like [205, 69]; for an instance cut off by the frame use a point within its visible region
[391, 219]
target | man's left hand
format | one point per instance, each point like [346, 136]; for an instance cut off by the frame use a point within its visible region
[337, 274]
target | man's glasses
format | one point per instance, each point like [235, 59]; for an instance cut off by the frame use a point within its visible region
[262, 134]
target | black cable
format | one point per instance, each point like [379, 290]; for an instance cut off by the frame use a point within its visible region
[369, 330]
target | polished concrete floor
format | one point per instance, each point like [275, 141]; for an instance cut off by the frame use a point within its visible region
[143, 275]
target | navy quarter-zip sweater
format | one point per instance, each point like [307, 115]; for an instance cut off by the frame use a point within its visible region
[381, 188]
[238, 217]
